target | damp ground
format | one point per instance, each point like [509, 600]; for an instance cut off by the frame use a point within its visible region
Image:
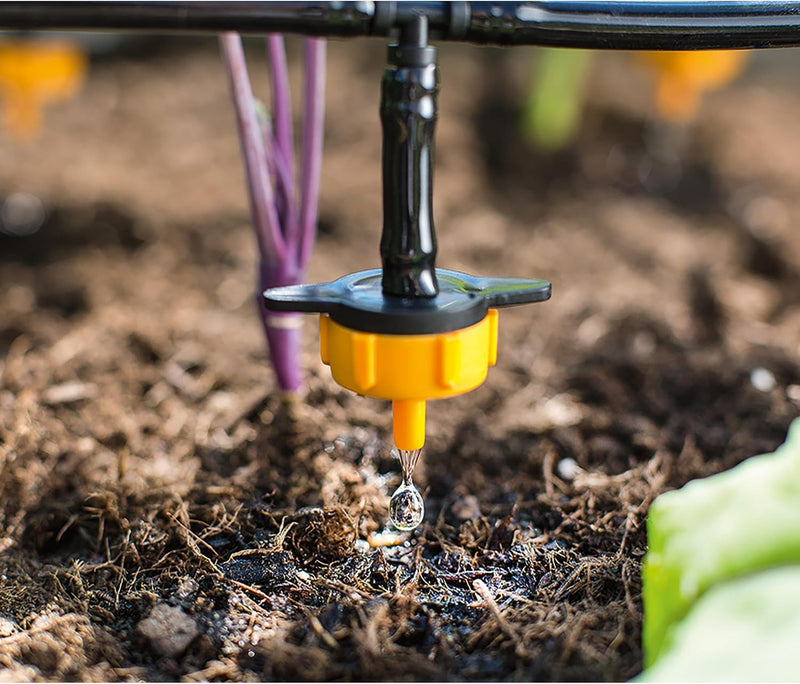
[164, 516]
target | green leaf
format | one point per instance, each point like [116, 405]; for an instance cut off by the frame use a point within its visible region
[713, 530]
[744, 630]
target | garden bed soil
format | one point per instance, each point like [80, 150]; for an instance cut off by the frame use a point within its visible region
[165, 515]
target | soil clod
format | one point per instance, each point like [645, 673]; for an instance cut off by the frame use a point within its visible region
[269, 570]
[169, 630]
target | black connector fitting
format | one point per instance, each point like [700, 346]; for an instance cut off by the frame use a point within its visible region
[356, 301]
[409, 296]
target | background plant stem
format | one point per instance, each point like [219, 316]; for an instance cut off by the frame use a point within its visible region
[283, 219]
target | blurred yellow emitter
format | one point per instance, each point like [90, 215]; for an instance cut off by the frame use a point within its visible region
[683, 78]
[34, 74]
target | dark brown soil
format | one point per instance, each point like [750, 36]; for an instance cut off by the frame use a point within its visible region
[164, 516]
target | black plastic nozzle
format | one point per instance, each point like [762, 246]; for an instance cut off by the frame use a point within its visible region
[409, 90]
[409, 295]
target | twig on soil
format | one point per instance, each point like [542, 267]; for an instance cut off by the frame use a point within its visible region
[70, 392]
[216, 670]
[625, 573]
[483, 591]
[247, 587]
[283, 531]
[346, 589]
[192, 540]
[378, 540]
[551, 482]
[320, 631]
[70, 522]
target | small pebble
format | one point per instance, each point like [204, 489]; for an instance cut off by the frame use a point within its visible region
[169, 630]
[21, 214]
[793, 392]
[68, 393]
[762, 379]
[567, 469]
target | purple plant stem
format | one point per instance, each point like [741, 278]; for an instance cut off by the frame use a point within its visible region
[311, 159]
[284, 240]
[271, 244]
[277, 265]
[281, 175]
[282, 329]
[282, 117]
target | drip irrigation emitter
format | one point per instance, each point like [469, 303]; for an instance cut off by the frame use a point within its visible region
[409, 332]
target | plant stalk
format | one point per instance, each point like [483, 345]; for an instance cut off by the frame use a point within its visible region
[284, 219]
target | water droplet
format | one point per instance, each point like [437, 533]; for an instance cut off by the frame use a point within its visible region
[407, 508]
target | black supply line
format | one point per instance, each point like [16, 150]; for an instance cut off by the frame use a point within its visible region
[626, 25]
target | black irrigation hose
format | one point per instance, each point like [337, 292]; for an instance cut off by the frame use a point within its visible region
[627, 24]
[639, 24]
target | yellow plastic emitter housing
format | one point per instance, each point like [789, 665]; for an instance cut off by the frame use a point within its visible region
[34, 74]
[409, 369]
[683, 78]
